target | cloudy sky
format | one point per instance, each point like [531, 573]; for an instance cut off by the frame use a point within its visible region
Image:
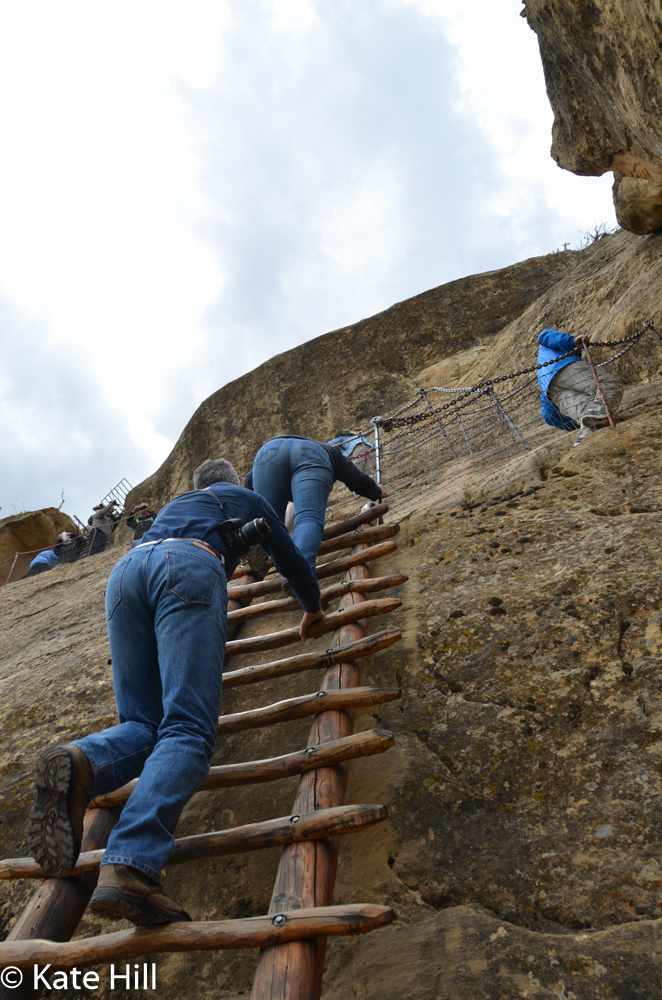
[187, 188]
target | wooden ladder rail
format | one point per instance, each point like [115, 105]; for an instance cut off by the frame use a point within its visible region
[307, 870]
[58, 898]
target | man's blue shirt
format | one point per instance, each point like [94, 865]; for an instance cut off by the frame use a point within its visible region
[553, 343]
[197, 515]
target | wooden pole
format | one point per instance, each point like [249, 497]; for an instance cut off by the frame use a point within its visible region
[286, 637]
[345, 541]
[238, 840]
[238, 604]
[340, 527]
[255, 771]
[326, 596]
[56, 908]
[332, 568]
[253, 932]
[11, 568]
[325, 701]
[311, 661]
[306, 873]
[612, 422]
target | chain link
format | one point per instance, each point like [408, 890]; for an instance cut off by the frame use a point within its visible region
[485, 387]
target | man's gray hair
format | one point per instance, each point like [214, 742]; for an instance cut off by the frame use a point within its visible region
[214, 470]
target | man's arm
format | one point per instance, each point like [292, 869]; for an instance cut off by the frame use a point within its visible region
[357, 481]
[289, 562]
[557, 341]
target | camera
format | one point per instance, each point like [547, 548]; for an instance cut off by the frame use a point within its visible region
[238, 537]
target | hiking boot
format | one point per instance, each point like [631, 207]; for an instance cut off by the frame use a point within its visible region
[286, 588]
[258, 560]
[582, 434]
[124, 893]
[64, 779]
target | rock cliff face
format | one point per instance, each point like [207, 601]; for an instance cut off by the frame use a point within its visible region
[522, 852]
[603, 69]
[344, 378]
[33, 529]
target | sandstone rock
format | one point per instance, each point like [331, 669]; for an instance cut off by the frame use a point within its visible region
[344, 378]
[34, 529]
[525, 787]
[603, 70]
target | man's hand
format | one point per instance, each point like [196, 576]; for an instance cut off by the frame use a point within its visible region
[580, 340]
[307, 620]
[384, 491]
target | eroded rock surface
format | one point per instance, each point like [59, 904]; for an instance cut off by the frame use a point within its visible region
[344, 378]
[603, 70]
[522, 850]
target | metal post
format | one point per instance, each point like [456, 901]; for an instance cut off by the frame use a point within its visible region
[459, 420]
[94, 535]
[436, 417]
[11, 568]
[505, 416]
[612, 422]
[378, 462]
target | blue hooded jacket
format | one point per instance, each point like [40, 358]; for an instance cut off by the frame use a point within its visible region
[552, 343]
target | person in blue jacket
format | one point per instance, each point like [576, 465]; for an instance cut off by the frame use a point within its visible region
[569, 397]
[42, 561]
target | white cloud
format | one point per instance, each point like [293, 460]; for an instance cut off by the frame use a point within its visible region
[189, 188]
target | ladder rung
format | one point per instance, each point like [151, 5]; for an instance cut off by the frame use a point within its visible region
[252, 932]
[370, 514]
[273, 640]
[335, 566]
[363, 744]
[311, 661]
[307, 704]
[327, 595]
[238, 840]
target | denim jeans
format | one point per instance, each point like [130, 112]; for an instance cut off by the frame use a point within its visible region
[166, 608]
[299, 470]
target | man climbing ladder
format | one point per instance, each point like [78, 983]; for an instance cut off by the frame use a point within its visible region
[166, 608]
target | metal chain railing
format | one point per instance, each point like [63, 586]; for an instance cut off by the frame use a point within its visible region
[388, 423]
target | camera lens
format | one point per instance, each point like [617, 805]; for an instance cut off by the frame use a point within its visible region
[255, 531]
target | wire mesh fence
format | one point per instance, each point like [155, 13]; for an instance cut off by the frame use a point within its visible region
[444, 443]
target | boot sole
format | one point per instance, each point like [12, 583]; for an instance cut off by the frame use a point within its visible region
[52, 840]
[119, 905]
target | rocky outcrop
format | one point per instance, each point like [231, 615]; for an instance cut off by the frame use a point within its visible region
[344, 378]
[603, 70]
[522, 849]
[605, 291]
[33, 529]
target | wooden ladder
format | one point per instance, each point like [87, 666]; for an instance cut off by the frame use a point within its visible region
[292, 935]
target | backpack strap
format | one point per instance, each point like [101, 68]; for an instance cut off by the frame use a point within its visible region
[209, 490]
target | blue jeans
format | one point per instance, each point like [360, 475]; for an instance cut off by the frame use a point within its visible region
[166, 608]
[299, 470]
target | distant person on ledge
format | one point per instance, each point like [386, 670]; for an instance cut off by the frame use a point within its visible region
[569, 397]
[102, 526]
[141, 520]
[304, 471]
[42, 562]
[166, 609]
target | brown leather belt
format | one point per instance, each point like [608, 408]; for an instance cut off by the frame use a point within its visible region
[206, 546]
[196, 541]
